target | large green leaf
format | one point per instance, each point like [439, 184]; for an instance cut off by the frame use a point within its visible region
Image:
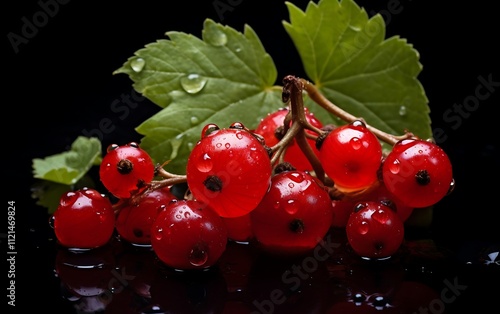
[345, 54]
[235, 76]
[70, 166]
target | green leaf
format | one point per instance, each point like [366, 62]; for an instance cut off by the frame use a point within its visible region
[70, 166]
[225, 77]
[345, 54]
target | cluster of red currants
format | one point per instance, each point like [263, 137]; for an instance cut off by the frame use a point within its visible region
[281, 186]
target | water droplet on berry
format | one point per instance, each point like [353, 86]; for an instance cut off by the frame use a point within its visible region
[193, 83]
[178, 217]
[205, 163]
[239, 135]
[227, 145]
[276, 205]
[395, 166]
[355, 143]
[198, 255]
[291, 185]
[380, 216]
[52, 221]
[209, 129]
[363, 227]
[402, 110]
[137, 64]
[295, 177]
[158, 233]
[194, 120]
[68, 199]
[291, 207]
[187, 215]
[214, 36]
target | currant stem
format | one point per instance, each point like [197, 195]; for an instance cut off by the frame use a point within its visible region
[292, 91]
[169, 180]
[321, 100]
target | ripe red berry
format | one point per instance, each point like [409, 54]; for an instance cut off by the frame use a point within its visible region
[134, 221]
[239, 229]
[351, 156]
[188, 235]
[294, 215]
[374, 230]
[344, 207]
[125, 169]
[84, 219]
[230, 170]
[268, 126]
[418, 172]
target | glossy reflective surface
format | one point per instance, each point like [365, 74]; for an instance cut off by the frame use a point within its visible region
[421, 278]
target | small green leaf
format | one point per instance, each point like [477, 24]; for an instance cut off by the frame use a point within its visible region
[225, 77]
[70, 166]
[345, 54]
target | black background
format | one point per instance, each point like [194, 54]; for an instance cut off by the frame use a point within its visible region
[60, 83]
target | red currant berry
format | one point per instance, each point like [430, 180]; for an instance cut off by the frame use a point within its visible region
[125, 169]
[188, 235]
[351, 156]
[294, 215]
[134, 221]
[418, 172]
[230, 170]
[84, 219]
[239, 229]
[343, 208]
[269, 127]
[374, 230]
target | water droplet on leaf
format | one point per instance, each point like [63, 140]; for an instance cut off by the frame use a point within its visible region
[193, 83]
[137, 64]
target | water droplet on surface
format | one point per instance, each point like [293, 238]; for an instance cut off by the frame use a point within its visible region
[291, 207]
[137, 64]
[355, 143]
[158, 233]
[52, 221]
[194, 120]
[363, 227]
[402, 110]
[214, 36]
[205, 163]
[395, 166]
[198, 255]
[295, 177]
[176, 144]
[227, 145]
[193, 83]
[380, 216]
